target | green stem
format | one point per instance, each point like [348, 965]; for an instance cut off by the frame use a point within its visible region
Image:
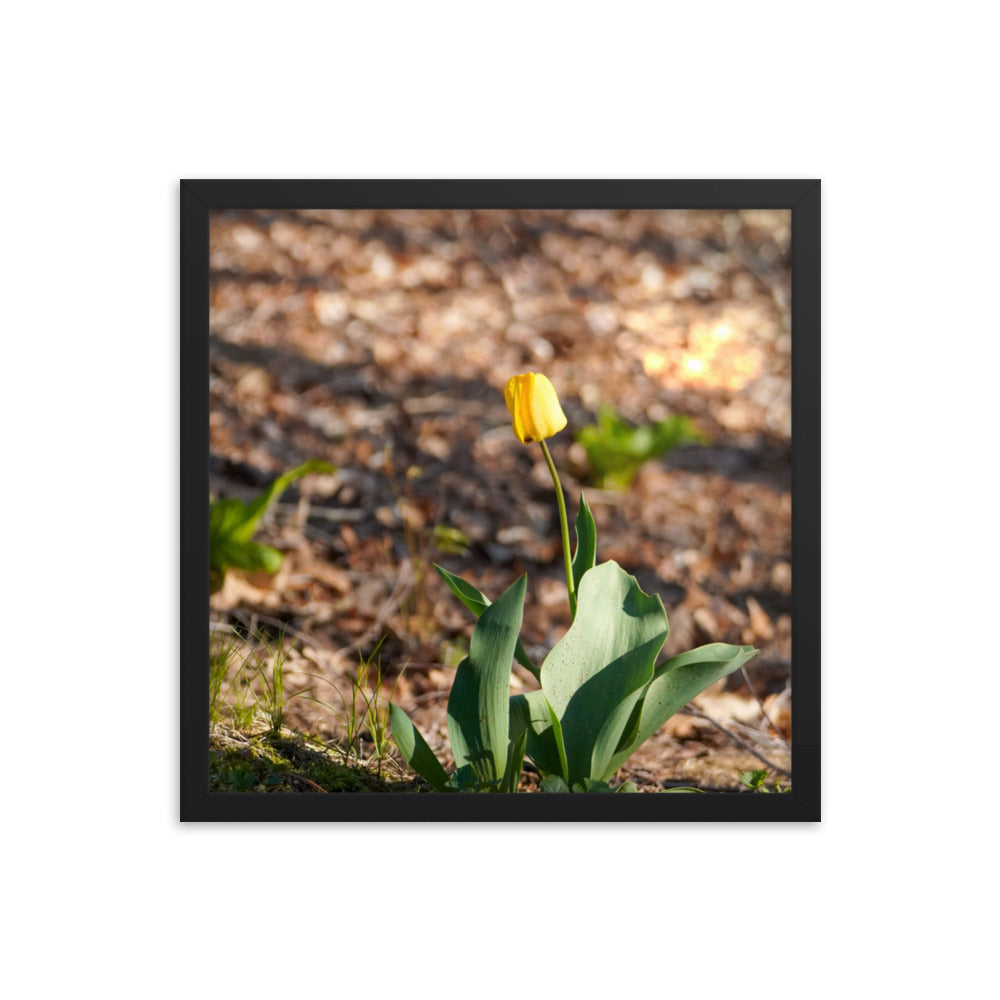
[564, 526]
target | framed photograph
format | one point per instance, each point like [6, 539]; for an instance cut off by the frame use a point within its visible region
[500, 500]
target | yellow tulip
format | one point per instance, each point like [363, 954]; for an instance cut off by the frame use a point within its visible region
[534, 405]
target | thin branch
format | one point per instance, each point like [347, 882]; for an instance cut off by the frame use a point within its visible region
[763, 711]
[691, 710]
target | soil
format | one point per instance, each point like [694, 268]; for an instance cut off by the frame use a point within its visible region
[381, 342]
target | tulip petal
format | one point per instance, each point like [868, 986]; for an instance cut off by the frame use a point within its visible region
[508, 392]
[524, 409]
[548, 416]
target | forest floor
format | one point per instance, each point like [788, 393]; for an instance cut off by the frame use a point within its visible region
[381, 341]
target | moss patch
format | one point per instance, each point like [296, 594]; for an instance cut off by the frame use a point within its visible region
[287, 762]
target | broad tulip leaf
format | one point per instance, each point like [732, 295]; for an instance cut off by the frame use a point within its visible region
[631, 729]
[532, 713]
[473, 598]
[415, 750]
[634, 673]
[478, 708]
[477, 602]
[675, 682]
[586, 542]
[596, 673]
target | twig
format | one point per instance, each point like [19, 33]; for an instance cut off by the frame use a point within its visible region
[692, 710]
[767, 719]
[295, 776]
[757, 736]
[336, 514]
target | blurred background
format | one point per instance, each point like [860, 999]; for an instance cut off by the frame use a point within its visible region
[381, 341]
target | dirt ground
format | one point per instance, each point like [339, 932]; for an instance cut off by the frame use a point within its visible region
[381, 342]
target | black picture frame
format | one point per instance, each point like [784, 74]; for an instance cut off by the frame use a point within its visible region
[199, 197]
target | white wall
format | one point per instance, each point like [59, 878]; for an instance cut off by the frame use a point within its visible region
[107, 106]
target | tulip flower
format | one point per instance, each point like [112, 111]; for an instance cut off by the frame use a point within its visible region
[534, 405]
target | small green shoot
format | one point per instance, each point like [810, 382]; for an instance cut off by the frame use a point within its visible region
[754, 780]
[232, 523]
[271, 673]
[616, 448]
[247, 692]
[367, 713]
[221, 653]
[247, 680]
[450, 540]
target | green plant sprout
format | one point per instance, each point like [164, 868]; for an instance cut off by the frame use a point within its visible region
[221, 653]
[602, 693]
[271, 674]
[232, 523]
[247, 689]
[363, 713]
[616, 448]
[240, 665]
[450, 540]
[754, 780]
[366, 712]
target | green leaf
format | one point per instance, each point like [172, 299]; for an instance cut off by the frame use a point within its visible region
[479, 705]
[465, 779]
[530, 713]
[231, 524]
[553, 783]
[252, 557]
[591, 786]
[515, 761]
[473, 598]
[631, 729]
[477, 602]
[675, 682]
[225, 516]
[555, 728]
[415, 750]
[586, 542]
[596, 673]
[616, 449]
[256, 509]
[451, 540]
